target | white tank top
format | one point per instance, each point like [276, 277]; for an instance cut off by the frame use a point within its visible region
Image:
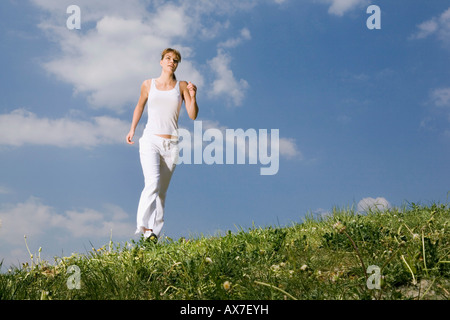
[163, 110]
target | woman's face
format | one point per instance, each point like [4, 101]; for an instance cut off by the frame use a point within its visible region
[169, 62]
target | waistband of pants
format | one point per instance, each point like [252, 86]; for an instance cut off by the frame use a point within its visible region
[156, 137]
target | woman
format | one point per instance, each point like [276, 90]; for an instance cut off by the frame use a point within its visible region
[158, 146]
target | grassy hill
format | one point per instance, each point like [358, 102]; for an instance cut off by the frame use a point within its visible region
[344, 255]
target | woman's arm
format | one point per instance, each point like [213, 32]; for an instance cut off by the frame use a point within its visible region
[189, 91]
[138, 111]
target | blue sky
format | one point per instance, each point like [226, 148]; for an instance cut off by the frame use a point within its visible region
[363, 115]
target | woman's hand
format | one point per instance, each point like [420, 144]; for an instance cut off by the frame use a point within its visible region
[192, 89]
[189, 91]
[130, 136]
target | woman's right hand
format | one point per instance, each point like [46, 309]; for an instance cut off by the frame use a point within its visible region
[130, 136]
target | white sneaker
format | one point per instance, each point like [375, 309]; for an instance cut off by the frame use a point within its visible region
[147, 234]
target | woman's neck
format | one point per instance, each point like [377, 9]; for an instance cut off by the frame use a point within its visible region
[166, 78]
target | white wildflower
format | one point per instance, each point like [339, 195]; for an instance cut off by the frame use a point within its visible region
[227, 285]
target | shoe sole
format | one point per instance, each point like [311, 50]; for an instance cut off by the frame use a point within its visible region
[153, 238]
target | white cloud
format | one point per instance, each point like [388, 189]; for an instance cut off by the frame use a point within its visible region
[119, 45]
[340, 7]
[45, 227]
[438, 26]
[34, 219]
[91, 11]
[30, 218]
[214, 30]
[322, 213]
[373, 204]
[426, 28]
[441, 97]
[207, 7]
[92, 223]
[170, 21]
[21, 127]
[234, 42]
[438, 118]
[110, 62]
[225, 85]
[288, 148]
[441, 100]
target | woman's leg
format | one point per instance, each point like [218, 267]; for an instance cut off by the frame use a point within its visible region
[166, 170]
[158, 159]
[150, 161]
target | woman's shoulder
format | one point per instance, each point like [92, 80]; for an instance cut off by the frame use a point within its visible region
[147, 83]
[145, 86]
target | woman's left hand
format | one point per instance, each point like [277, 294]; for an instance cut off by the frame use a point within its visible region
[192, 89]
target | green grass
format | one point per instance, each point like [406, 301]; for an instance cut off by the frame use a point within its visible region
[320, 258]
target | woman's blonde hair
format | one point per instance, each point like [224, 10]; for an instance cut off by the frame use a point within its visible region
[174, 51]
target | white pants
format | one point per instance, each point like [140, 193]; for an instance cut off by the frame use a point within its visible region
[158, 159]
